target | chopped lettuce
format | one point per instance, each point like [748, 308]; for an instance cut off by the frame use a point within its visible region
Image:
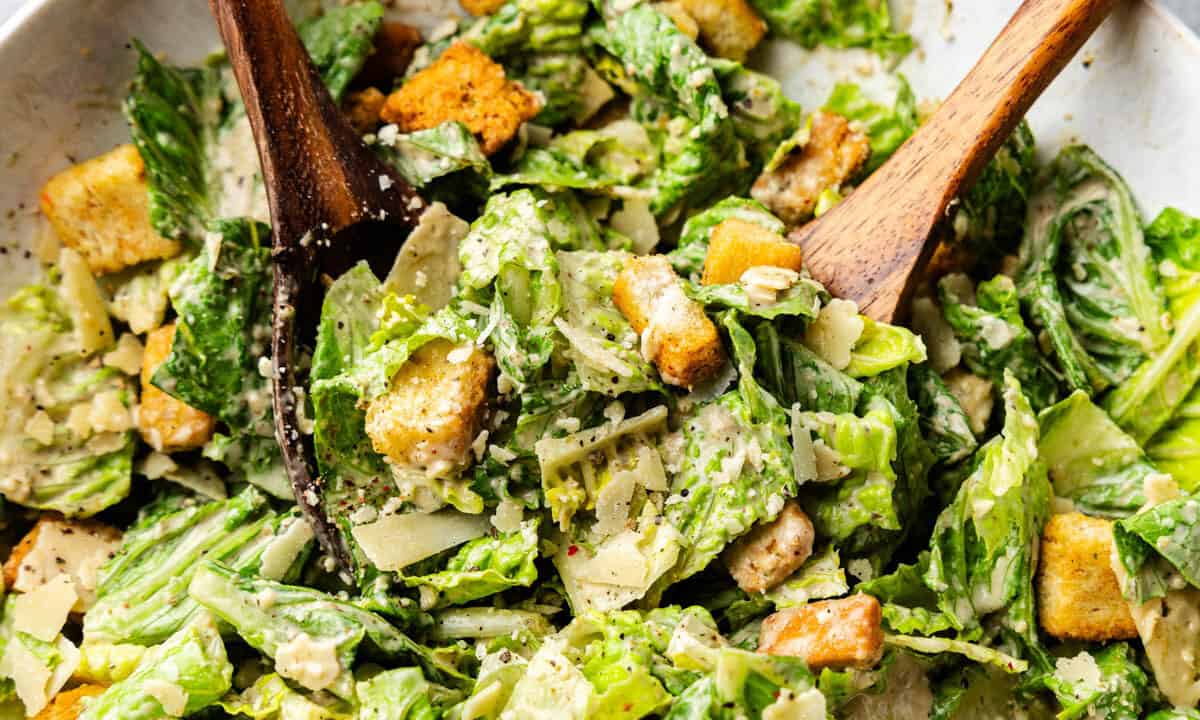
[141, 592]
[987, 322]
[943, 421]
[1176, 448]
[1091, 461]
[1086, 274]
[312, 637]
[820, 577]
[426, 155]
[1170, 530]
[223, 331]
[339, 41]
[836, 24]
[485, 566]
[65, 433]
[990, 218]
[800, 378]
[185, 674]
[1107, 683]
[763, 117]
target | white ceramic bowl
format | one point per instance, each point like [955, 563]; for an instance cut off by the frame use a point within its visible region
[1133, 93]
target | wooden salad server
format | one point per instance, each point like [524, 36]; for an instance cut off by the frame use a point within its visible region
[872, 246]
[328, 194]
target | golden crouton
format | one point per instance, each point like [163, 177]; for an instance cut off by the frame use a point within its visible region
[434, 409]
[100, 208]
[1078, 594]
[55, 546]
[832, 155]
[482, 7]
[676, 334]
[729, 28]
[68, 704]
[771, 552]
[362, 109]
[737, 245]
[166, 424]
[467, 86]
[837, 634]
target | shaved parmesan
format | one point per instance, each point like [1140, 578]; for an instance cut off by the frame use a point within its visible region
[396, 541]
[277, 559]
[835, 331]
[172, 697]
[43, 611]
[86, 304]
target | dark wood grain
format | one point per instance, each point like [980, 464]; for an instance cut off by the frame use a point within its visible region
[322, 185]
[871, 246]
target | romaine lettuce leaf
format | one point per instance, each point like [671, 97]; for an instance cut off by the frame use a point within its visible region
[185, 674]
[484, 566]
[943, 422]
[800, 378]
[886, 128]
[987, 322]
[339, 41]
[1107, 683]
[426, 155]
[1176, 448]
[837, 24]
[271, 698]
[1169, 529]
[990, 218]
[820, 577]
[1091, 461]
[401, 694]
[313, 637]
[140, 595]
[223, 301]
[763, 116]
[1087, 276]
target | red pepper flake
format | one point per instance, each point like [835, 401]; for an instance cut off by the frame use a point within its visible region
[571, 550]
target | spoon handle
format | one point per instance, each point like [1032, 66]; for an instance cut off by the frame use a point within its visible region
[869, 247]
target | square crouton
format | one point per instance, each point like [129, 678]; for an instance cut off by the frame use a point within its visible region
[167, 424]
[468, 86]
[771, 552]
[56, 546]
[676, 334]
[729, 28]
[837, 634]
[68, 704]
[833, 155]
[101, 209]
[1078, 594]
[433, 411]
[737, 245]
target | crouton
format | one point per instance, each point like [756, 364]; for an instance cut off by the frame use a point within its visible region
[837, 634]
[482, 7]
[737, 245]
[680, 16]
[433, 411]
[832, 155]
[468, 86]
[395, 45]
[55, 546]
[101, 209]
[1078, 594]
[729, 28]
[771, 552]
[676, 334]
[362, 109]
[68, 704]
[167, 424]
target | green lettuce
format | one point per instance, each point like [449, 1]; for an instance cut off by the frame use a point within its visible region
[982, 550]
[763, 117]
[886, 128]
[1086, 274]
[62, 470]
[1176, 448]
[836, 24]
[485, 566]
[1170, 530]
[426, 155]
[1107, 683]
[299, 616]
[339, 40]
[987, 322]
[223, 300]
[1091, 461]
[1145, 402]
[800, 378]
[271, 698]
[401, 694]
[570, 87]
[943, 422]
[141, 592]
[990, 217]
[189, 668]
[820, 577]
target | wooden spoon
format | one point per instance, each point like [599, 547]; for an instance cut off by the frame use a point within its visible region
[327, 193]
[871, 247]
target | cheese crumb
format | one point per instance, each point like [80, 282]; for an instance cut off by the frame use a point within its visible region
[127, 356]
[312, 663]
